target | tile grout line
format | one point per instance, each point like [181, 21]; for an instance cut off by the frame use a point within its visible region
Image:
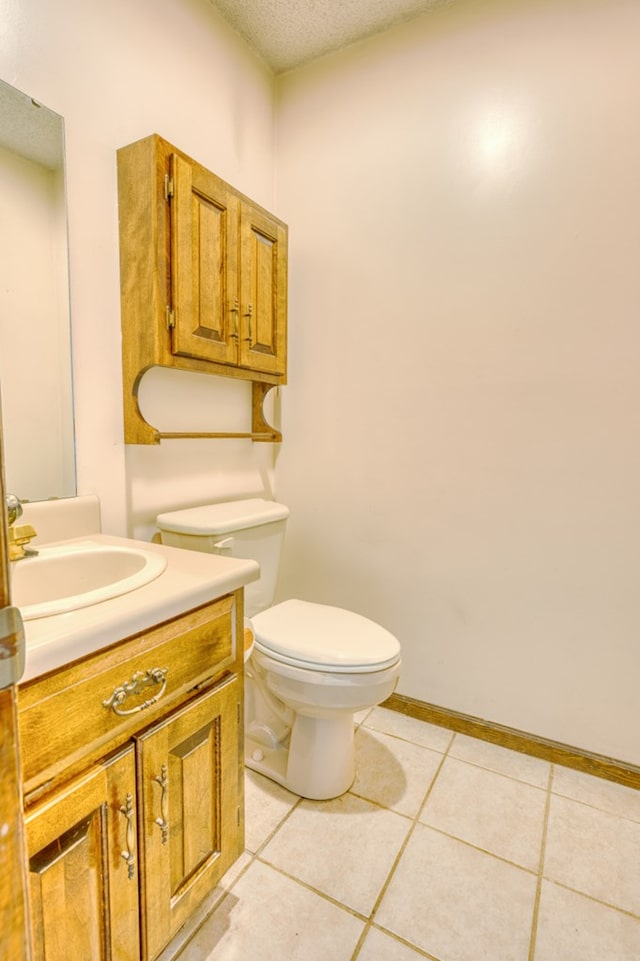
[594, 806]
[284, 820]
[405, 740]
[493, 770]
[591, 897]
[465, 760]
[408, 944]
[403, 846]
[575, 890]
[309, 887]
[480, 850]
[543, 846]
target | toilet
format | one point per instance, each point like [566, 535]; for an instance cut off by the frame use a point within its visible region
[310, 668]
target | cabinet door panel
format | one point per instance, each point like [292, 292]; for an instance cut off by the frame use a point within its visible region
[192, 771]
[191, 795]
[204, 251]
[263, 291]
[67, 892]
[84, 898]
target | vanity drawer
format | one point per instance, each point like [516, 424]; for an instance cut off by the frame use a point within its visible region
[94, 704]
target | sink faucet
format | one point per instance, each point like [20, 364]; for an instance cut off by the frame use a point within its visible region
[20, 535]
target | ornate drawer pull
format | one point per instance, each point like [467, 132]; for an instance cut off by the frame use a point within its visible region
[140, 680]
[128, 855]
[162, 821]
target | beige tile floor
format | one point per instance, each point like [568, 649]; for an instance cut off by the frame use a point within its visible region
[445, 848]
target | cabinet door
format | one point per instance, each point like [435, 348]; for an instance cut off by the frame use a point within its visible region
[263, 291]
[190, 785]
[13, 883]
[83, 868]
[13, 893]
[204, 254]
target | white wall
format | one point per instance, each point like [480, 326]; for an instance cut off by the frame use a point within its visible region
[117, 72]
[461, 421]
[34, 331]
[461, 424]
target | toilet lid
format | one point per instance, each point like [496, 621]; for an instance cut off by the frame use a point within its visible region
[222, 518]
[323, 638]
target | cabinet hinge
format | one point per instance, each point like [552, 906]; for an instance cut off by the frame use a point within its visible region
[171, 317]
[238, 711]
[238, 815]
[168, 187]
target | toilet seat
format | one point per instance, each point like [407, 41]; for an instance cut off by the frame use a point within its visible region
[318, 637]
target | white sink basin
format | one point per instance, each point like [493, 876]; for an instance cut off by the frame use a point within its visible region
[72, 576]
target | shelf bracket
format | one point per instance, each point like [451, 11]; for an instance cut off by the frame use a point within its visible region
[262, 431]
[139, 431]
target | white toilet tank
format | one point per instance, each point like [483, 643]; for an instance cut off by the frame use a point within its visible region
[252, 529]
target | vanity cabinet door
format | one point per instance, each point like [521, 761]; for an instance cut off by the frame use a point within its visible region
[190, 787]
[83, 873]
[204, 259]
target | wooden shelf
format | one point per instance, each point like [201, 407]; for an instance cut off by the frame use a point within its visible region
[139, 431]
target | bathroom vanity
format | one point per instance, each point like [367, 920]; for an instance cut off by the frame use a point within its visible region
[130, 720]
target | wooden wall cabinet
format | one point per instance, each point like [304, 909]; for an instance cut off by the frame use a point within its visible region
[133, 787]
[203, 280]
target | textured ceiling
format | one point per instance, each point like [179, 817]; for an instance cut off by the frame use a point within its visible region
[288, 33]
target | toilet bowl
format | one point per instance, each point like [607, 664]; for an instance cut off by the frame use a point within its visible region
[311, 666]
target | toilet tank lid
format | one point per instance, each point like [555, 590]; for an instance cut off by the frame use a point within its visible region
[222, 518]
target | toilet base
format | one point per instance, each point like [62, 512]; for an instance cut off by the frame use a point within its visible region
[317, 761]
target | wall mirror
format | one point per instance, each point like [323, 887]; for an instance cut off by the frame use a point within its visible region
[35, 331]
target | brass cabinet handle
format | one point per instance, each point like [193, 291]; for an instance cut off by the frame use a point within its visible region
[162, 821]
[249, 314]
[128, 855]
[140, 680]
[234, 309]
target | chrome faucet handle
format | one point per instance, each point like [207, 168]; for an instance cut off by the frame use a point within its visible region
[14, 508]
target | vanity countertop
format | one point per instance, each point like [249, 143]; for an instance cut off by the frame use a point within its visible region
[190, 579]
